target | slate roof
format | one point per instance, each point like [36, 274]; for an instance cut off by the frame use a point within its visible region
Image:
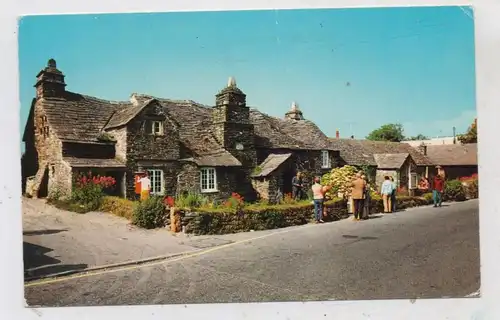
[453, 154]
[219, 159]
[390, 160]
[82, 118]
[93, 163]
[271, 163]
[79, 117]
[361, 152]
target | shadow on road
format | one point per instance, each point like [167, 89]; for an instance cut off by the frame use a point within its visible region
[38, 263]
[347, 236]
[43, 232]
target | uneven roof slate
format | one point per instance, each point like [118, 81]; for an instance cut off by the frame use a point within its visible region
[220, 159]
[79, 117]
[271, 163]
[390, 160]
[360, 152]
[453, 154]
[82, 118]
[93, 163]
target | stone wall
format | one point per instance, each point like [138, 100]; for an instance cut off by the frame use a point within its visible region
[267, 217]
[261, 186]
[120, 135]
[50, 160]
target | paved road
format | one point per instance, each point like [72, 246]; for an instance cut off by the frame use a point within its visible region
[420, 253]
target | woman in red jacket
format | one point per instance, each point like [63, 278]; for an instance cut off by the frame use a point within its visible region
[437, 190]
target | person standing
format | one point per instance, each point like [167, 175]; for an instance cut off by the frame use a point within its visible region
[393, 195]
[367, 200]
[297, 187]
[386, 191]
[437, 190]
[318, 197]
[145, 186]
[358, 194]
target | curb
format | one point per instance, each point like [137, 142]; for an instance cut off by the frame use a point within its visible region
[108, 266]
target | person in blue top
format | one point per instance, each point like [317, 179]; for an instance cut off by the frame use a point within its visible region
[393, 195]
[386, 191]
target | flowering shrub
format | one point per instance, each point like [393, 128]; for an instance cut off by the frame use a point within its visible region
[471, 186]
[470, 178]
[288, 199]
[88, 190]
[169, 201]
[234, 202]
[339, 179]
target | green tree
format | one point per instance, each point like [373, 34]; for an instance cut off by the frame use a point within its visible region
[417, 137]
[471, 135]
[387, 132]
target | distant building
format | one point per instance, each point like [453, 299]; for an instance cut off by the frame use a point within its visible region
[433, 141]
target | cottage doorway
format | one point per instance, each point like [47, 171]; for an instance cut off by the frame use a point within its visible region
[286, 179]
[43, 189]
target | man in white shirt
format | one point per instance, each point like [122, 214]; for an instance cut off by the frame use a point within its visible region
[145, 186]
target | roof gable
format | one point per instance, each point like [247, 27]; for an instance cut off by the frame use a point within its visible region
[390, 160]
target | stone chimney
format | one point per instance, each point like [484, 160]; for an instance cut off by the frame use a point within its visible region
[50, 82]
[337, 134]
[294, 113]
[423, 148]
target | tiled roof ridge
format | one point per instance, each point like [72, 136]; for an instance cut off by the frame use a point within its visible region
[87, 97]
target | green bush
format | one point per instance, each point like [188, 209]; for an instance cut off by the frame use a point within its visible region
[191, 200]
[118, 206]
[428, 197]
[88, 196]
[150, 213]
[454, 191]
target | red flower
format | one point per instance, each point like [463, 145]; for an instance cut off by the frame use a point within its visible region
[169, 201]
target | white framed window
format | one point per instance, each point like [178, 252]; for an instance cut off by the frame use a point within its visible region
[208, 180]
[156, 177]
[325, 159]
[157, 128]
[413, 180]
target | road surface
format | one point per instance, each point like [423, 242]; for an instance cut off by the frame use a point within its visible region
[420, 253]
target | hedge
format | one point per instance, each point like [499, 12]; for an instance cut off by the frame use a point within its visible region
[220, 221]
[118, 206]
[251, 217]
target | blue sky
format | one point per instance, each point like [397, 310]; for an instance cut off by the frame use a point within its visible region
[348, 69]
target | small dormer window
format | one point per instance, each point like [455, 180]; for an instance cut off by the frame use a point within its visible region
[157, 128]
[154, 127]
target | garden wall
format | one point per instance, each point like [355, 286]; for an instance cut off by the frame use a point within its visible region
[272, 217]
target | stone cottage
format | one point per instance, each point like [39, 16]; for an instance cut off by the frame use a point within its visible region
[185, 146]
[381, 158]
